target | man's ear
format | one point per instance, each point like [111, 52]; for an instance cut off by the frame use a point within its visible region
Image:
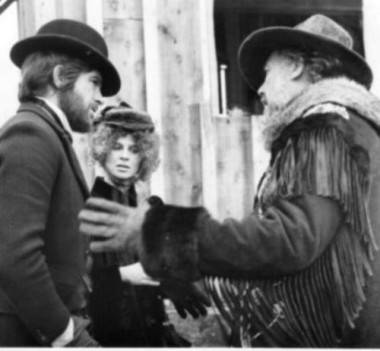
[298, 69]
[58, 79]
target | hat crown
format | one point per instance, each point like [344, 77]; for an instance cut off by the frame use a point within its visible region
[327, 28]
[125, 118]
[76, 31]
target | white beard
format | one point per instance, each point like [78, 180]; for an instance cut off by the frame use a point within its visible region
[273, 123]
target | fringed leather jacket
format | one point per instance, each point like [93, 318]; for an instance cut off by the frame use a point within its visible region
[303, 270]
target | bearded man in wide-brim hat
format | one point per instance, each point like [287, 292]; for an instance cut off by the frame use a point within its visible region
[303, 270]
[65, 71]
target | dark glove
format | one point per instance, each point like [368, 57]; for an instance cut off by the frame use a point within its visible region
[169, 242]
[186, 297]
[81, 336]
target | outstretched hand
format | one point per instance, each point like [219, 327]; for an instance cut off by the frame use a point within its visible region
[112, 226]
[187, 298]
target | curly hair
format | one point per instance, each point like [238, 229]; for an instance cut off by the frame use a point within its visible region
[105, 137]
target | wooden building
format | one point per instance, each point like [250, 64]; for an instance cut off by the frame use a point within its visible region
[177, 60]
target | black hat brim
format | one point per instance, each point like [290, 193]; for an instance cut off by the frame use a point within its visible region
[60, 43]
[256, 48]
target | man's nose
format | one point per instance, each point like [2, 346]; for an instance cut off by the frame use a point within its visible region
[98, 95]
[260, 90]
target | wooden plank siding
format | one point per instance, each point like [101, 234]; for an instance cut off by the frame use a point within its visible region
[182, 83]
[234, 165]
[123, 32]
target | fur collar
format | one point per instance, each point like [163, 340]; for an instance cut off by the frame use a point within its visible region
[340, 91]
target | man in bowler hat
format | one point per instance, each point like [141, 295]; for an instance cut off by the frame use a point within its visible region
[64, 72]
[303, 270]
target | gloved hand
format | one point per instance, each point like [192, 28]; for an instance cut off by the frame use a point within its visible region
[188, 298]
[81, 336]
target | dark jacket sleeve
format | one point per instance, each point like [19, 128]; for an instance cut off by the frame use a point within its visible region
[183, 243]
[289, 237]
[29, 159]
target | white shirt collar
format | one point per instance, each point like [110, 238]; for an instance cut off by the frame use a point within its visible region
[61, 115]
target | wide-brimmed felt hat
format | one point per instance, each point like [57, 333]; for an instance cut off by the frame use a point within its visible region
[75, 39]
[317, 33]
[125, 117]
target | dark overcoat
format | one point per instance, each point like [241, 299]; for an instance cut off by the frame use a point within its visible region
[42, 261]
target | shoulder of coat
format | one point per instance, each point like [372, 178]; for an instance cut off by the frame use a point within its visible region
[326, 108]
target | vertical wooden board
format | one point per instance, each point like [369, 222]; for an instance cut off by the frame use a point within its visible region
[260, 155]
[153, 81]
[33, 14]
[196, 195]
[179, 53]
[208, 52]
[177, 43]
[26, 18]
[235, 175]
[209, 165]
[123, 32]
[94, 14]
[73, 9]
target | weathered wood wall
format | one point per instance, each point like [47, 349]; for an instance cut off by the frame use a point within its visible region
[181, 90]
[124, 33]
[234, 161]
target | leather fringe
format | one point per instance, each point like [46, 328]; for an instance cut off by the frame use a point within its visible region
[312, 308]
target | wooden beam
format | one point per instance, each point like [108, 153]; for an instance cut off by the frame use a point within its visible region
[33, 14]
[73, 9]
[123, 32]
[181, 90]
[153, 84]
[94, 14]
[234, 161]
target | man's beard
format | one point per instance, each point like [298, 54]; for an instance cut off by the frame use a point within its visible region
[76, 112]
[273, 122]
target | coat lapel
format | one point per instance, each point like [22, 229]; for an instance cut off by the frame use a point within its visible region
[44, 112]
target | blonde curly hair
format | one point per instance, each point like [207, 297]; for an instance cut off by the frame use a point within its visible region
[104, 138]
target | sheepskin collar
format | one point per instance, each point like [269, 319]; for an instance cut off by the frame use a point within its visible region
[340, 91]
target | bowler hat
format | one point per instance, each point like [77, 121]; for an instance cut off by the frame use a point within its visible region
[317, 33]
[75, 39]
[125, 117]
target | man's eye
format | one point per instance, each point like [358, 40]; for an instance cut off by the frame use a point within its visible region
[96, 82]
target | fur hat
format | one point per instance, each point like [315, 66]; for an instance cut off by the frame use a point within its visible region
[75, 39]
[317, 32]
[123, 116]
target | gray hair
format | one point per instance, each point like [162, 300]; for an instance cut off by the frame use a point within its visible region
[317, 65]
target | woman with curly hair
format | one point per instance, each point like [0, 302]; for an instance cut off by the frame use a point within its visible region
[125, 149]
